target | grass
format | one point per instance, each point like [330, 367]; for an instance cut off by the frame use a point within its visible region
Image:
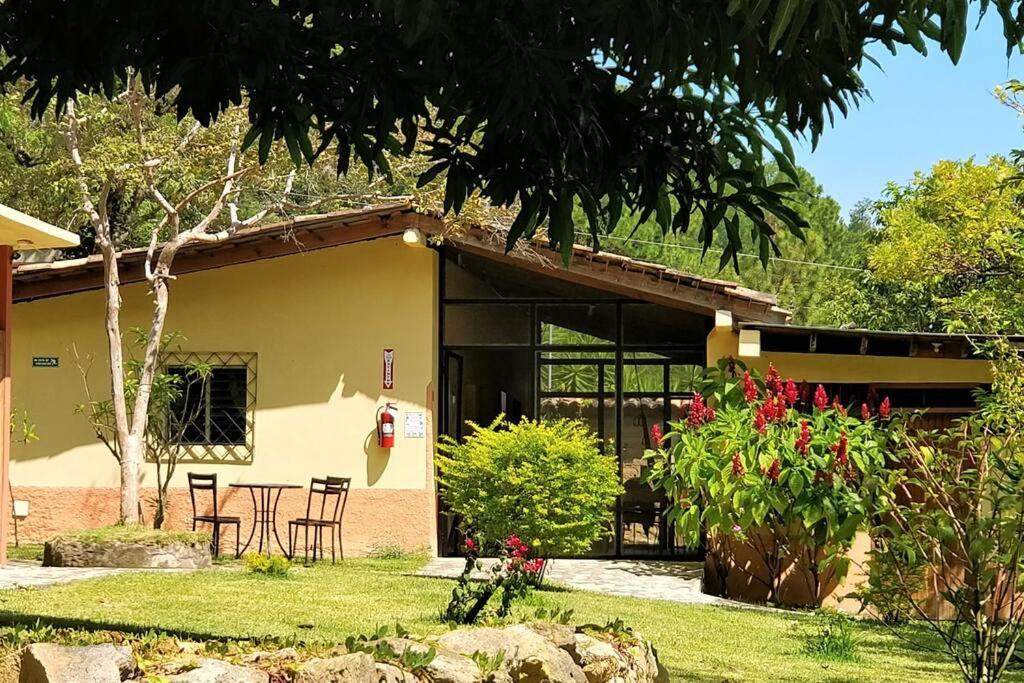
[25, 551]
[136, 534]
[326, 604]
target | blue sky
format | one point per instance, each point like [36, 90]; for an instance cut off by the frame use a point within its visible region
[922, 110]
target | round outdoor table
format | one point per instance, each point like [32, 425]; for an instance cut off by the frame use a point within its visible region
[264, 512]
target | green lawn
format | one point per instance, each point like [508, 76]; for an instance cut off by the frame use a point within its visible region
[325, 603]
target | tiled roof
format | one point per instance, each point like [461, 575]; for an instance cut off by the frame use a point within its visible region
[627, 276]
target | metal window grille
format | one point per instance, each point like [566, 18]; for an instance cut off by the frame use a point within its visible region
[218, 411]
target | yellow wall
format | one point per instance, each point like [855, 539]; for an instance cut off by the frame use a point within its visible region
[723, 342]
[317, 329]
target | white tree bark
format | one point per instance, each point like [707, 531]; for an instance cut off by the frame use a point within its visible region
[131, 417]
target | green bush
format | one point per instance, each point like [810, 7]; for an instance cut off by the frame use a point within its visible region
[544, 481]
[831, 637]
[275, 565]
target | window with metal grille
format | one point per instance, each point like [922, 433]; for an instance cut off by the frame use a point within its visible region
[211, 409]
[214, 414]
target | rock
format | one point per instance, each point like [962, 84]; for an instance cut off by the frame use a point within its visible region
[219, 671]
[603, 661]
[63, 552]
[284, 654]
[446, 667]
[357, 667]
[51, 663]
[389, 673]
[529, 657]
[560, 635]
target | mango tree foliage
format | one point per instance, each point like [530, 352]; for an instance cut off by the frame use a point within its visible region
[667, 110]
[827, 259]
[950, 253]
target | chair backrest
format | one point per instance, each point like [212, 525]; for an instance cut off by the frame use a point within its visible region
[324, 490]
[202, 482]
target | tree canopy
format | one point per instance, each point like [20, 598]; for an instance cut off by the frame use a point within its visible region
[830, 257]
[950, 253]
[658, 109]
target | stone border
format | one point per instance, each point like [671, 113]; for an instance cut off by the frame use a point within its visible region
[65, 552]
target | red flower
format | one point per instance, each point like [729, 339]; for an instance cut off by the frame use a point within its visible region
[865, 412]
[513, 541]
[821, 477]
[791, 391]
[760, 422]
[820, 398]
[738, 470]
[838, 406]
[470, 545]
[773, 471]
[805, 391]
[698, 411]
[773, 380]
[885, 409]
[656, 434]
[709, 415]
[749, 388]
[804, 440]
[533, 566]
[840, 450]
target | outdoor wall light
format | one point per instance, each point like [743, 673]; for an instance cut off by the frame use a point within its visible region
[414, 237]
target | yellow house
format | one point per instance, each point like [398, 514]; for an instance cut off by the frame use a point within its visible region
[315, 324]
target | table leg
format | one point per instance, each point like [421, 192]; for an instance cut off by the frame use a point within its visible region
[255, 518]
[273, 522]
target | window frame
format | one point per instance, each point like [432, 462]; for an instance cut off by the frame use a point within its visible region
[209, 452]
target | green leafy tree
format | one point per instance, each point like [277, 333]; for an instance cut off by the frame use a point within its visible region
[949, 256]
[759, 465]
[545, 482]
[538, 105]
[831, 253]
[165, 427]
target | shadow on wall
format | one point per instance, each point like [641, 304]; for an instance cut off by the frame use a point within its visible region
[313, 340]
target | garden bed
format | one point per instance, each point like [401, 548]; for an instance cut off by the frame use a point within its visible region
[130, 547]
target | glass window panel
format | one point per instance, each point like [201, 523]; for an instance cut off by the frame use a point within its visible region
[569, 378]
[486, 324]
[642, 378]
[650, 324]
[685, 378]
[576, 324]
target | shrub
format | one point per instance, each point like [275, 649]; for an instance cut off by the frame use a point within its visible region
[785, 471]
[831, 637]
[545, 481]
[512, 575]
[275, 565]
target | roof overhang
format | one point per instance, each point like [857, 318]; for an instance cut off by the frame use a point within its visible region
[22, 231]
[628, 277]
[611, 273]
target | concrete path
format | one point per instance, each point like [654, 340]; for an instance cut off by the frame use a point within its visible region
[29, 574]
[651, 579]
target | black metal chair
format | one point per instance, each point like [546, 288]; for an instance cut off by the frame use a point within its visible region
[208, 482]
[322, 491]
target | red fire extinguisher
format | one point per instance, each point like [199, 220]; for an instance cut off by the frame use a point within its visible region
[386, 426]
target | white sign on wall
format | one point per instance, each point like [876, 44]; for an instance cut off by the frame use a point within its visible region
[415, 425]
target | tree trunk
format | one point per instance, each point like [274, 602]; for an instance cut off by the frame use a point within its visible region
[131, 466]
[129, 443]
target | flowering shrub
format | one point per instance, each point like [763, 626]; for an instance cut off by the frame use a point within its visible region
[513, 573]
[758, 462]
[545, 481]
